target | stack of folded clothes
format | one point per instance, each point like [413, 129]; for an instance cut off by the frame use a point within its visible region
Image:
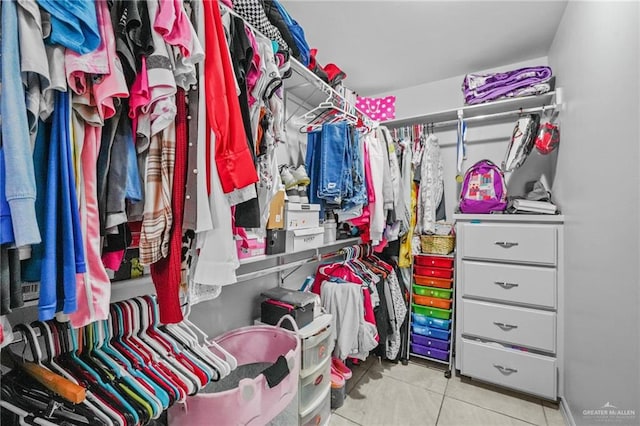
[479, 88]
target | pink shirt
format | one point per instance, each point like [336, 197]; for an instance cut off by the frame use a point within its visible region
[173, 25]
[94, 287]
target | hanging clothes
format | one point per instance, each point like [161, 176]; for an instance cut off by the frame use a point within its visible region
[431, 186]
[233, 158]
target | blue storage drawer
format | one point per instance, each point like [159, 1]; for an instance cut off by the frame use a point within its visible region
[431, 332]
[430, 321]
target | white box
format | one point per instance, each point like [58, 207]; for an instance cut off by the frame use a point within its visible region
[301, 216]
[304, 239]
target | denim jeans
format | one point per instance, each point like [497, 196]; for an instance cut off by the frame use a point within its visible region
[312, 163]
[334, 181]
[359, 195]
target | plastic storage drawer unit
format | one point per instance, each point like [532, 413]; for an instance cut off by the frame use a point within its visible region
[438, 262]
[430, 352]
[430, 322]
[432, 292]
[315, 384]
[428, 271]
[315, 349]
[430, 342]
[320, 414]
[431, 332]
[433, 282]
[432, 301]
[432, 312]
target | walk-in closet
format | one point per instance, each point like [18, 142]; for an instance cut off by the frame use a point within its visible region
[301, 212]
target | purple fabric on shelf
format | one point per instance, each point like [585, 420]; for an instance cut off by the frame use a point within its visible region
[480, 88]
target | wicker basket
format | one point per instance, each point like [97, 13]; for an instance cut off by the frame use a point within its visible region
[437, 244]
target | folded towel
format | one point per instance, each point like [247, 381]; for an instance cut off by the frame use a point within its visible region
[74, 24]
[480, 88]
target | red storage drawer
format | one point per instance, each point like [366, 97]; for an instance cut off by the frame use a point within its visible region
[437, 261]
[433, 282]
[432, 301]
[428, 271]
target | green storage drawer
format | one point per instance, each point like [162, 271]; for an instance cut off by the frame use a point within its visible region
[432, 312]
[440, 293]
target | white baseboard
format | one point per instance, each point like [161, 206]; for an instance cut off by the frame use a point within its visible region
[566, 413]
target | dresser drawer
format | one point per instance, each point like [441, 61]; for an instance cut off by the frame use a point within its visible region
[530, 285]
[519, 326]
[524, 371]
[510, 242]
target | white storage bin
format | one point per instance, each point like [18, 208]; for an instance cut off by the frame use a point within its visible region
[321, 412]
[314, 385]
[315, 350]
[301, 216]
[304, 239]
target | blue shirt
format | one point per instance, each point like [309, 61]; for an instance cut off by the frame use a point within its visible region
[20, 184]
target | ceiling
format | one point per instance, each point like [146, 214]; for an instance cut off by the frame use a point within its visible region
[388, 45]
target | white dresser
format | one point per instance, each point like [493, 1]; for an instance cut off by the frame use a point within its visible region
[509, 298]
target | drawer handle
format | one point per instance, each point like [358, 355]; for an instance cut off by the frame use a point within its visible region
[505, 370]
[505, 327]
[506, 285]
[505, 244]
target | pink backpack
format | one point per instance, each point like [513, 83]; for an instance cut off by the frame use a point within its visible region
[484, 189]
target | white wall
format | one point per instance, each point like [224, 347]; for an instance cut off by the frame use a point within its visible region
[484, 140]
[595, 56]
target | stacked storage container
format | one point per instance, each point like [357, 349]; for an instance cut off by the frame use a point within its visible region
[432, 307]
[314, 393]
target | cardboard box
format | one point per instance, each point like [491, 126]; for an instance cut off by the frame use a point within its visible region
[304, 239]
[301, 216]
[276, 211]
[254, 246]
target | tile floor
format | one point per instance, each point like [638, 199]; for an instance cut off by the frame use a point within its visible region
[383, 393]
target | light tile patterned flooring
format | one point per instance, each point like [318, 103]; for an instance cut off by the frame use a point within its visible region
[383, 393]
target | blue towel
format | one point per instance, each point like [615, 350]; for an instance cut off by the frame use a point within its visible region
[74, 24]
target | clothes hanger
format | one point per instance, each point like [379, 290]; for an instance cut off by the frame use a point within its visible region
[70, 359]
[159, 396]
[146, 408]
[223, 366]
[135, 365]
[110, 416]
[25, 418]
[165, 348]
[120, 374]
[68, 397]
[191, 381]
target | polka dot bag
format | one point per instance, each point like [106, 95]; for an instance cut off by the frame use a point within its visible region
[378, 109]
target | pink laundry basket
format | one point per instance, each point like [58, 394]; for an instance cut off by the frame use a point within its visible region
[238, 400]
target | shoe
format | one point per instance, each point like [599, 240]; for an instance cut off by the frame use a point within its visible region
[293, 195]
[300, 175]
[337, 379]
[335, 74]
[341, 368]
[287, 177]
[302, 191]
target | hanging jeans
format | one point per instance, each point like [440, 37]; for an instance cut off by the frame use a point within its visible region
[312, 163]
[335, 182]
[359, 195]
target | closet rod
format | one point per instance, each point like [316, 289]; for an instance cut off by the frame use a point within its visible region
[494, 116]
